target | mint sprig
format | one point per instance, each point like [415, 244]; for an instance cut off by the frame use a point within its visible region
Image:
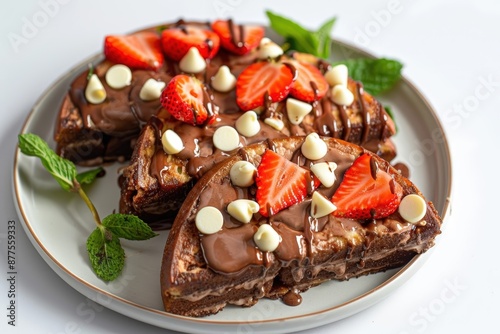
[106, 254]
[300, 39]
[377, 75]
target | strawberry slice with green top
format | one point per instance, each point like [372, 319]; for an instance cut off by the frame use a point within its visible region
[183, 99]
[138, 51]
[366, 192]
[177, 41]
[238, 39]
[310, 85]
[281, 183]
[261, 80]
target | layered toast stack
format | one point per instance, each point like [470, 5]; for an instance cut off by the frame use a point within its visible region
[185, 103]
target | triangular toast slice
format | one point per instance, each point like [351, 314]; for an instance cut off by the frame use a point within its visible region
[93, 134]
[373, 225]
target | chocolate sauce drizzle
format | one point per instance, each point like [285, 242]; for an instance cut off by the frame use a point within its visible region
[315, 89]
[373, 168]
[346, 122]
[208, 102]
[293, 69]
[271, 145]
[243, 154]
[364, 112]
[236, 29]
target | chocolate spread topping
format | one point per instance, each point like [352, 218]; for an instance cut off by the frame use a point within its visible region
[302, 236]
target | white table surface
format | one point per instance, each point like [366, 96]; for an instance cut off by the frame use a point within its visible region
[451, 52]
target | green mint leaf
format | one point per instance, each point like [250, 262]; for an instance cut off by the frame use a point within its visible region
[64, 171]
[162, 27]
[377, 75]
[89, 176]
[299, 38]
[106, 254]
[91, 71]
[324, 38]
[128, 226]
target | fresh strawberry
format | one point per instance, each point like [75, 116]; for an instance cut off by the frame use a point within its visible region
[141, 50]
[361, 196]
[260, 80]
[238, 39]
[178, 40]
[310, 85]
[183, 99]
[281, 183]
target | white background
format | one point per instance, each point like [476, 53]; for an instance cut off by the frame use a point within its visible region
[449, 48]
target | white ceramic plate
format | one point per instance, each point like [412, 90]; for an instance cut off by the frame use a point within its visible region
[58, 224]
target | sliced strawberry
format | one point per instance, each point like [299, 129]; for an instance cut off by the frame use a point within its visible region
[263, 79]
[310, 85]
[177, 41]
[183, 99]
[238, 39]
[281, 183]
[363, 196]
[141, 50]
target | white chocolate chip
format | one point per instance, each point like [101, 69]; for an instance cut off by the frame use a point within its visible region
[337, 75]
[266, 238]
[248, 124]
[151, 90]
[242, 173]
[192, 62]
[209, 220]
[321, 206]
[275, 123]
[325, 172]
[269, 49]
[172, 143]
[243, 209]
[313, 147]
[297, 110]
[412, 208]
[342, 95]
[265, 40]
[226, 138]
[118, 76]
[95, 92]
[223, 81]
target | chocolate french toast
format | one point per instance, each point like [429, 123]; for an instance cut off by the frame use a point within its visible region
[106, 106]
[285, 215]
[240, 90]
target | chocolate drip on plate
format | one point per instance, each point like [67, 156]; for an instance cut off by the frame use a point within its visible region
[292, 298]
